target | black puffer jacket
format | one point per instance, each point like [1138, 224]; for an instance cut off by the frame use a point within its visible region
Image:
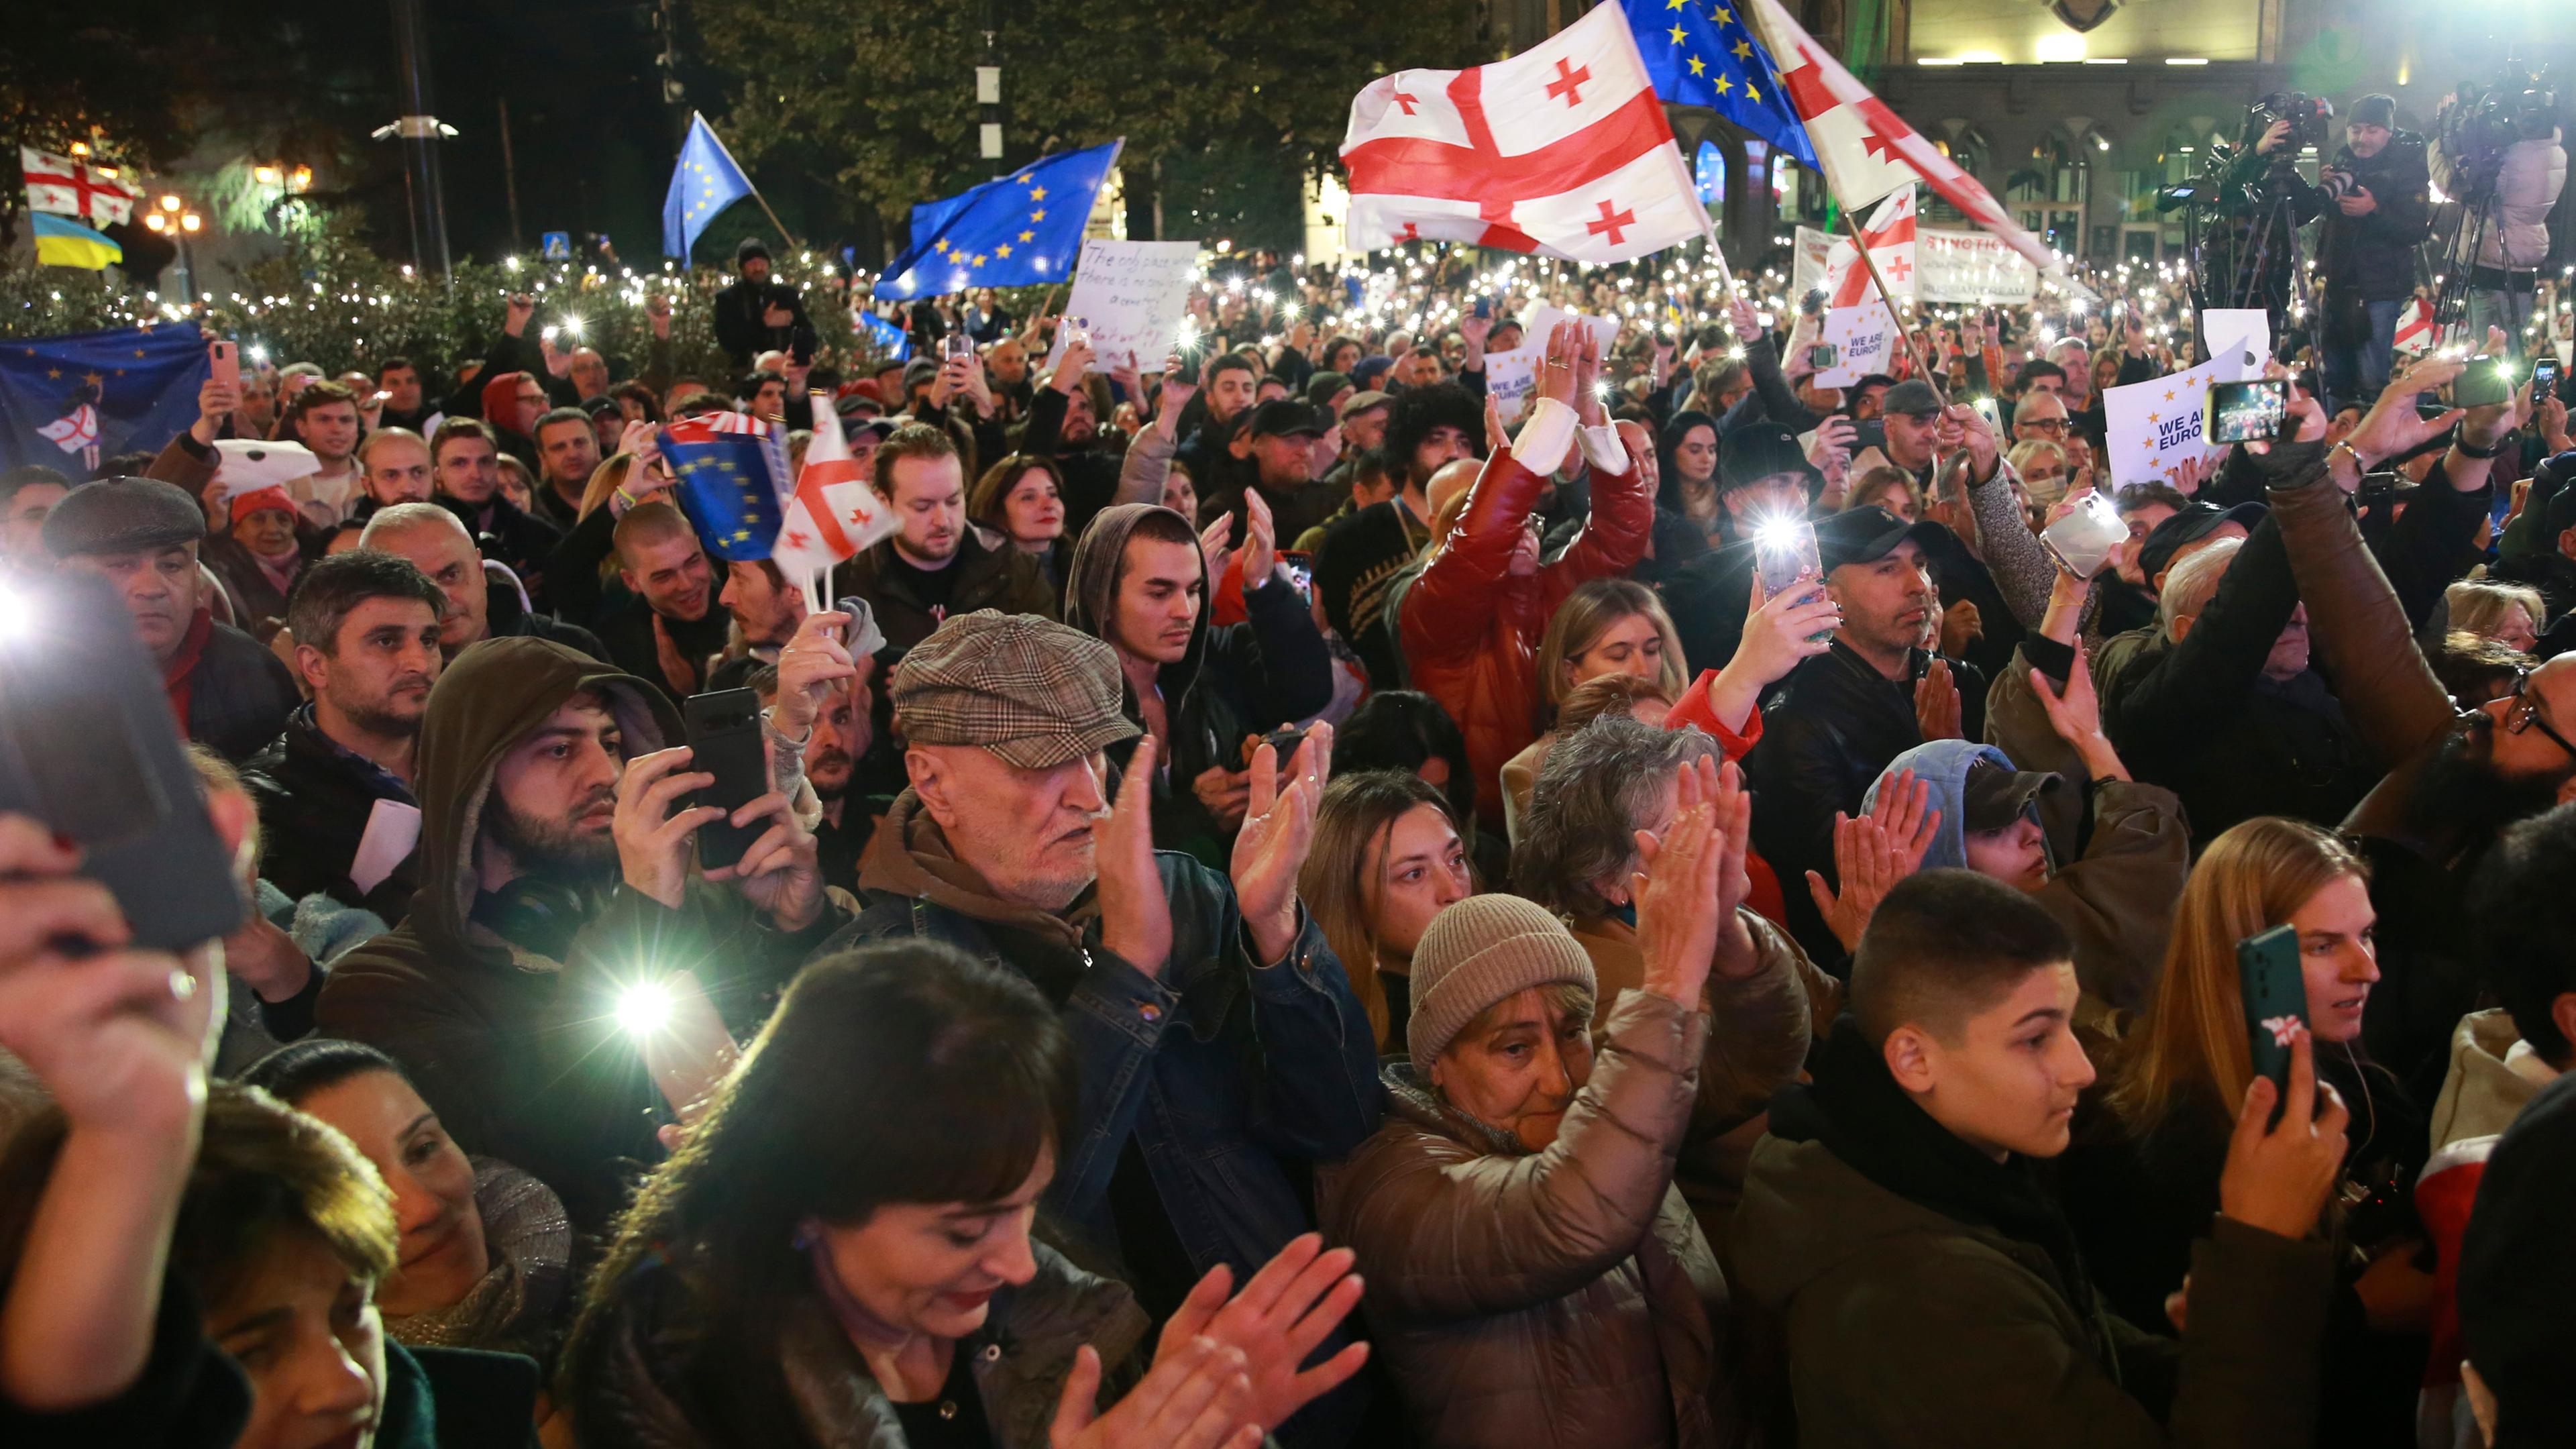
[2373, 255]
[314, 800]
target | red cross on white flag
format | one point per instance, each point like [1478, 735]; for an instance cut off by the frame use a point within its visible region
[834, 513]
[66, 187]
[1890, 231]
[1867, 150]
[1562, 149]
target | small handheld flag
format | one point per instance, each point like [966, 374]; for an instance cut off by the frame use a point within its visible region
[1018, 231]
[732, 473]
[705, 182]
[834, 513]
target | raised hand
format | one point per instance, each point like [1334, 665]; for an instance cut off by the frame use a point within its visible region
[2076, 714]
[1135, 915]
[1868, 861]
[1936, 702]
[1676, 892]
[691, 1052]
[1260, 540]
[1276, 835]
[813, 668]
[1743, 320]
[2277, 1176]
[1289, 1308]
[1556, 369]
[1072, 366]
[779, 873]
[1216, 546]
[1179, 384]
[1587, 376]
[2391, 426]
[652, 837]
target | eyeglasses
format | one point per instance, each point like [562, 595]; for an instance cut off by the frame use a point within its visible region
[2056, 426]
[2524, 713]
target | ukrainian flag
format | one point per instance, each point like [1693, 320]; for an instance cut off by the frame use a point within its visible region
[61, 243]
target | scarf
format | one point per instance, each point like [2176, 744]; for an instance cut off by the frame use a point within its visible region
[1856, 1109]
[178, 676]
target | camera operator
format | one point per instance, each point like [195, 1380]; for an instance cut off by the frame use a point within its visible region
[2513, 235]
[2375, 196]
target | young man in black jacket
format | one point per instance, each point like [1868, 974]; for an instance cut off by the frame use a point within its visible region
[669, 620]
[366, 630]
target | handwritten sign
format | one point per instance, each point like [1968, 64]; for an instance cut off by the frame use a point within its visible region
[1510, 378]
[1807, 274]
[1131, 296]
[1867, 336]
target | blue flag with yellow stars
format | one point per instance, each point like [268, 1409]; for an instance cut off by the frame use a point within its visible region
[705, 182]
[67, 402]
[733, 478]
[1021, 230]
[1701, 53]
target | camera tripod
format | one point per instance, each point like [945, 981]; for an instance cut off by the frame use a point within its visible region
[2253, 260]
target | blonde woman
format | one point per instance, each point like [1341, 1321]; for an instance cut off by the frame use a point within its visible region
[1388, 856]
[2510, 614]
[2144, 1184]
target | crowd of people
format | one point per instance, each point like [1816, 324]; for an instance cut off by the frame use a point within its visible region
[1295, 902]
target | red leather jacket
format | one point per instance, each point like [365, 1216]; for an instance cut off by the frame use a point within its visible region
[1471, 630]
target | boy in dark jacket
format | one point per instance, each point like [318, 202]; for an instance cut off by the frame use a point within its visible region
[1931, 1291]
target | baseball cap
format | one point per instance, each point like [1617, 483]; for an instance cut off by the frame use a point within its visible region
[1284, 418]
[1031, 690]
[120, 515]
[1321, 387]
[1866, 535]
[1913, 397]
[2196, 521]
[1993, 797]
[1754, 451]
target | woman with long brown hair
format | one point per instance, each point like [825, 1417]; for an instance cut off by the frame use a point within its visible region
[1388, 856]
[1605, 627]
[2142, 1184]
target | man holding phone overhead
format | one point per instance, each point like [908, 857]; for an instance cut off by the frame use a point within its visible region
[557, 881]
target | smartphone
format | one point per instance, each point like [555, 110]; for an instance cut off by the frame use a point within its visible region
[1484, 308]
[1283, 743]
[1868, 433]
[226, 360]
[2482, 385]
[89, 748]
[956, 345]
[723, 731]
[2082, 541]
[2544, 377]
[1784, 551]
[2246, 412]
[1824, 355]
[1301, 572]
[2276, 998]
[1993, 415]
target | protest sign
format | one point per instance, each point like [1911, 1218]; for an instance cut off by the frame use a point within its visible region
[1970, 266]
[2154, 427]
[1807, 273]
[1867, 335]
[1541, 319]
[1131, 297]
[1510, 377]
[2252, 326]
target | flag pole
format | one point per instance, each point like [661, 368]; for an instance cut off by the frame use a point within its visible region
[774, 221]
[1860, 242]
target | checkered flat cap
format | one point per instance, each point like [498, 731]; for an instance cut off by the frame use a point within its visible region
[1030, 690]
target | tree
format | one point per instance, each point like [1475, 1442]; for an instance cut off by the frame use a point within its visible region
[884, 94]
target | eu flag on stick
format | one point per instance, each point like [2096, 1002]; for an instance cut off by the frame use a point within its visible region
[1021, 230]
[733, 475]
[1701, 54]
[705, 182]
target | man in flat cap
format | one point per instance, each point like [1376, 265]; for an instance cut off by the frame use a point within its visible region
[142, 536]
[1220, 1045]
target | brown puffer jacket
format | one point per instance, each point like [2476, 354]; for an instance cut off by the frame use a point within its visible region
[1552, 1299]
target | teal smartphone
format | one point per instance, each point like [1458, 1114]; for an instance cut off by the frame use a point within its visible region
[2276, 998]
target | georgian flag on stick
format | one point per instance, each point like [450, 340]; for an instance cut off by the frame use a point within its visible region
[1867, 150]
[1890, 231]
[834, 513]
[1561, 150]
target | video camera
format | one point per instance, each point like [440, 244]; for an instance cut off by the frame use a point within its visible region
[2478, 123]
[2309, 117]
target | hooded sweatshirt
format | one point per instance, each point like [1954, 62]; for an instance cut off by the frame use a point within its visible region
[500, 1005]
[1233, 681]
[2116, 898]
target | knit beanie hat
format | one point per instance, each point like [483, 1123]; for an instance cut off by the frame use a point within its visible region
[1480, 951]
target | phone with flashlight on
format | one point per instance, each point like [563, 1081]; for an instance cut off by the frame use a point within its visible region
[1785, 557]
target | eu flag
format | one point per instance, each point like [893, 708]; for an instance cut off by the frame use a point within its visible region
[705, 182]
[892, 341]
[68, 402]
[733, 474]
[1700, 53]
[1020, 230]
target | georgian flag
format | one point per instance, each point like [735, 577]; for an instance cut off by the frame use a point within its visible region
[2415, 329]
[1867, 150]
[834, 513]
[1561, 150]
[65, 187]
[1890, 231]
